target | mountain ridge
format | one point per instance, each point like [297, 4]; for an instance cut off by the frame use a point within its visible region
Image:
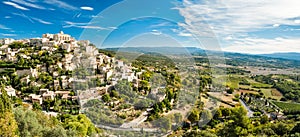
[192, 50]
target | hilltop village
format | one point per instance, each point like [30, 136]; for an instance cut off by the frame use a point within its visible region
[48, 73]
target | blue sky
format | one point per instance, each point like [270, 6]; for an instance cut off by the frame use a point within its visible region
[248, 27]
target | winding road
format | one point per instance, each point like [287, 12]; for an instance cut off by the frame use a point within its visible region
[128, 129]
[249, 111]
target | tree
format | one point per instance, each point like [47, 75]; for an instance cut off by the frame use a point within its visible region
[57, 105]
[218, 114]
[5, 102]
[28, 123]
[47, 104]
[296, 128]
[196, 133]
[281, 128]
[264, 119]
[142, 104]
[106, 97]
[17, 45]
[177, 117]
[194, 116]
[8, 124]
[237, 125]
[230, 90]
[114, 93]
[57, 131]
[265, 130]
[146, 75]
[36, 106]
[164, 124]
[144, 85]
[226, 112]
[123, 87]
[21, 62]
[239, 115]
[79, 123]
[206, 115]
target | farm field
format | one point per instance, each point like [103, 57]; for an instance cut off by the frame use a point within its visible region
[266, 89]
[205, 99]
[234, 80]
[272, 93]
[260, 85]
[287, 106]
[209, 103]
[246, 87]
[224, 97]
[230, 81]
[246, 91]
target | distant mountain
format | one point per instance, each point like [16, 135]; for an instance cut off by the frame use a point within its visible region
[195, 51]
[289, 55]
[161, 50]
[276, 60]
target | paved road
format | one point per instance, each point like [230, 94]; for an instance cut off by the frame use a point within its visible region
[249, 111]
[129, 129]
[136, 122]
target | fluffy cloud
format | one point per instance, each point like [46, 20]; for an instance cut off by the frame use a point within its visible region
[233, 16]
[210, 18]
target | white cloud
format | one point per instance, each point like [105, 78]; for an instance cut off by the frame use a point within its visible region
[156, 32]
[32, 19]
[24, 16]
[78, 15]
[86, 8]
[185, 34]
[75, 23]
[262, 45]
[41, 21]
[228, 38]
[233, 16]
[4, 27]
[32, 0]
[113, 28]
[8, 35]
[7, 17]
[15, 5]
[91, 27]
[85, 26]
[211, 18]
[276, 25]
[61, 4]
[22, 2]
[162, 24]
